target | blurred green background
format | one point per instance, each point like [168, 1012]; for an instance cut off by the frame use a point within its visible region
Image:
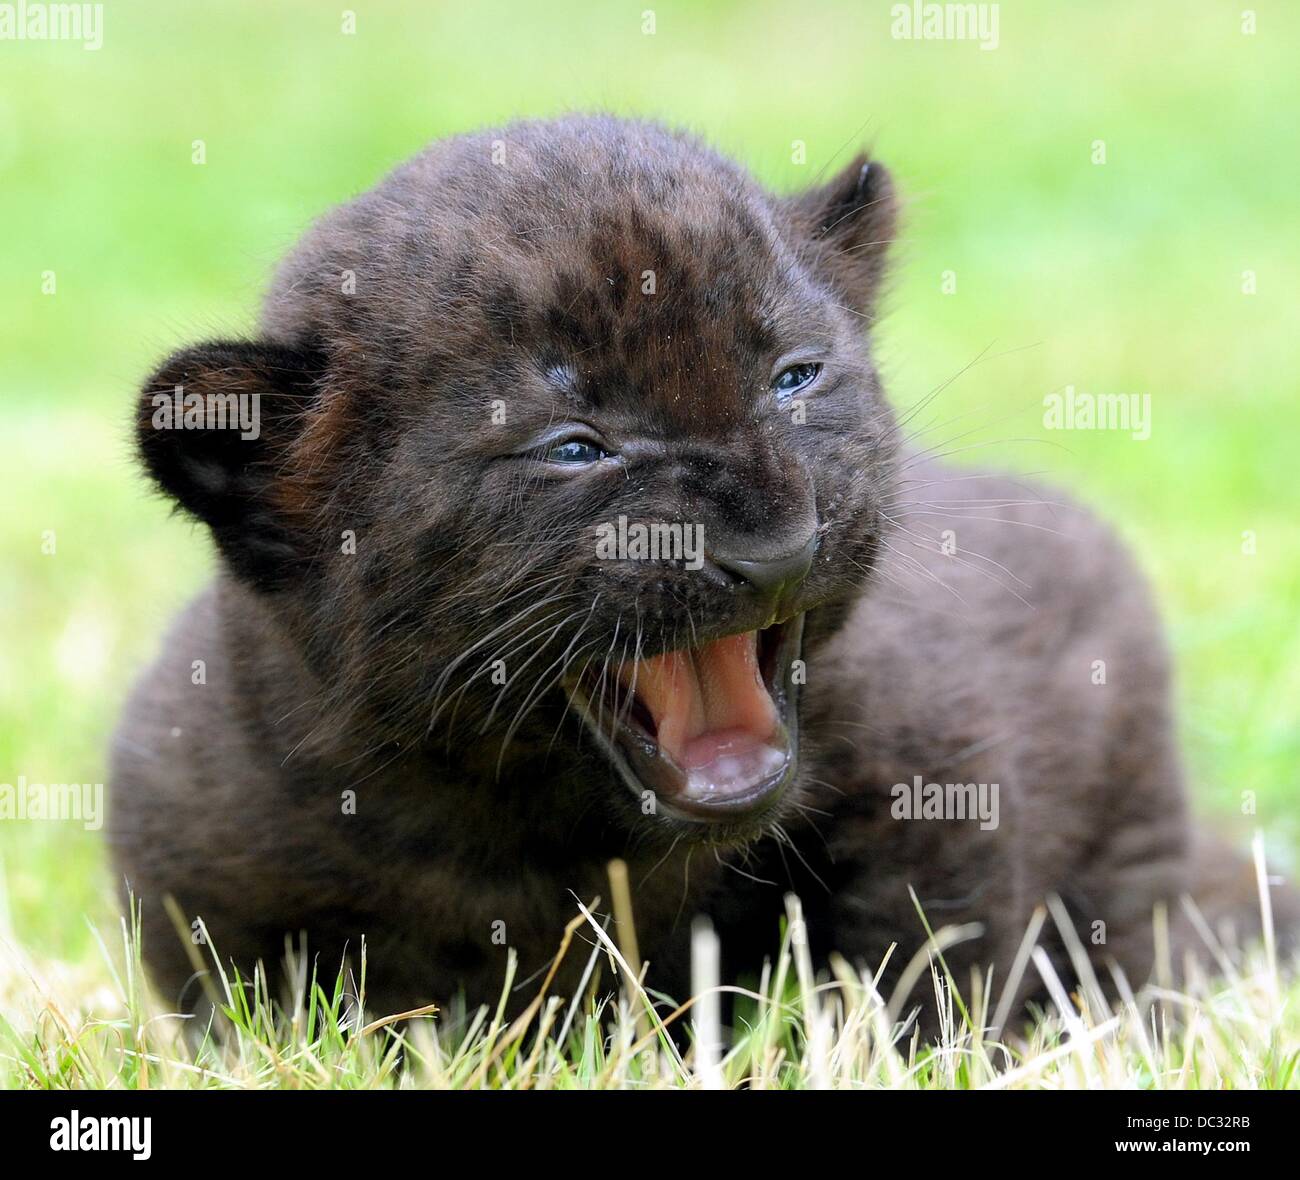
[1123, 277]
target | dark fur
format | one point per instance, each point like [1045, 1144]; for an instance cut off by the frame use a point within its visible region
[327, 672]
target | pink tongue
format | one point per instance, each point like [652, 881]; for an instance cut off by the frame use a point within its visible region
[709, 705]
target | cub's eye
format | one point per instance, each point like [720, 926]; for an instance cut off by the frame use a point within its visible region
[795, 378]
[575, 451]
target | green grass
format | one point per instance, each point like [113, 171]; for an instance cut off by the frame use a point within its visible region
[791, 1030]
[1117, 278]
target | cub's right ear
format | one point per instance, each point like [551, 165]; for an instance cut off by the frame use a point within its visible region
[215, 426]
[848, 224]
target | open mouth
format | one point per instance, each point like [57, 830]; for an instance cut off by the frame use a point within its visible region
[711, 731]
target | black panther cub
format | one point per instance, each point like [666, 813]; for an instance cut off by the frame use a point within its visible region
[431, 708]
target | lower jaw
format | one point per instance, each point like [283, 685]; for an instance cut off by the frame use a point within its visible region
[753, 808]
[661, 789]
[753, 804]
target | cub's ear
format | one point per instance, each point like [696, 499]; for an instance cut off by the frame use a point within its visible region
[848, 226]
[215, 427]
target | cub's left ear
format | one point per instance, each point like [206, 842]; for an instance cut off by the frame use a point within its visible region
[217, 426]
[847, 227]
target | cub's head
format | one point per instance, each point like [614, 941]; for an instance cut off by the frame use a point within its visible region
[564, 436]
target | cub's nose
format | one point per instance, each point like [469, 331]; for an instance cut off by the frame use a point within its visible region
[770, 577]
